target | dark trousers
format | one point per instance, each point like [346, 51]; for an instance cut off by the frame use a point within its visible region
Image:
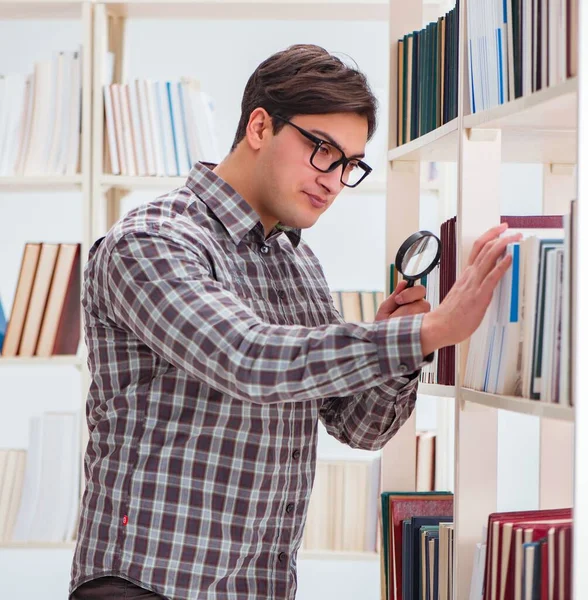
[112, 588]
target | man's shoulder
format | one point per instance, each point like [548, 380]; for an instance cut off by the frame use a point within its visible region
[179, 216]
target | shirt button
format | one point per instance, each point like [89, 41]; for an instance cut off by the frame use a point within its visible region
[296, 454]
[290, 509]
[264, 249]
[281, 294]
[282, 557]
[402, 368]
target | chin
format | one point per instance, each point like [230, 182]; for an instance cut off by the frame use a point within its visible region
[300, 221]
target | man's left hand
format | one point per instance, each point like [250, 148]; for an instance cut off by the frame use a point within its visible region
[403, 302]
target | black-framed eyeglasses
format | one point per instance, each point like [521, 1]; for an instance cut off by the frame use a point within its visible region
[326, 157]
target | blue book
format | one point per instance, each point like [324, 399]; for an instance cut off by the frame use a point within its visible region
[173, 125]
[2, 325]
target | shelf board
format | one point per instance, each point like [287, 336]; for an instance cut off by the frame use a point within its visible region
[336, 555]
[40, 9]
[38, 545]
[141, 183]
[44, 182]
[540, 127]
[170, 183]
[37, 361]
[435, 389]
[519, 405]
[437, 145]
[331, 10]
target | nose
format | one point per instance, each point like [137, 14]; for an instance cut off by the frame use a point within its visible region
[331, 182]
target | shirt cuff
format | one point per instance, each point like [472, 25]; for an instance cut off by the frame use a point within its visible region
[399, 347]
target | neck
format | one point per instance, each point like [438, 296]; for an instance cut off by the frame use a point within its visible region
[238, 172]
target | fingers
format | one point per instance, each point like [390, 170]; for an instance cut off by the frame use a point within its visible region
[486, 260]
[412, 294]
[483, 240]
[496, 275]
[414, 308]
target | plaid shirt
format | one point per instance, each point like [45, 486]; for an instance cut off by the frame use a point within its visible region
[213, 354]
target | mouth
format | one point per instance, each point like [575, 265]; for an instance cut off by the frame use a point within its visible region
[317, 201]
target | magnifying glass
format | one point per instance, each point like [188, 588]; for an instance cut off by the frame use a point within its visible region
[418, 256]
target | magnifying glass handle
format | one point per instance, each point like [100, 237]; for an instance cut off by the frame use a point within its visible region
[410, 283]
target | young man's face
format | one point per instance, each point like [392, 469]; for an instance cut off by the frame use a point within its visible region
[294, 192]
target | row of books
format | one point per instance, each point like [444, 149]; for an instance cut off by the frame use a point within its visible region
[358, 306]
[408, 522]
[32, 507]
[427, 77]
[40, 118]
[523, 555]
[516, 47]
[438, 283]
[45, 315]
[158, 127]
[523, 346]
[342, 513]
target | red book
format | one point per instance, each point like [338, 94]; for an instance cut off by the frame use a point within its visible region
[405, 506]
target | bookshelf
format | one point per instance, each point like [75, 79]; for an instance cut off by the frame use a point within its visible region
[547, 127]
[18, 187]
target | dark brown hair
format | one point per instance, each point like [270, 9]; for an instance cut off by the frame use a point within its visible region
[306, 80]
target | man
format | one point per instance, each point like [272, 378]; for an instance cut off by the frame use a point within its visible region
[214, 350]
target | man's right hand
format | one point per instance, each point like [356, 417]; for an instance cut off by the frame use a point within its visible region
[463, 309]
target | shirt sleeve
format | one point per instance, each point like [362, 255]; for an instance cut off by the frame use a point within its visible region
[370, 419]
[165, 293]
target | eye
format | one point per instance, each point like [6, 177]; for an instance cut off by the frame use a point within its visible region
[324, 150]
[351, 166]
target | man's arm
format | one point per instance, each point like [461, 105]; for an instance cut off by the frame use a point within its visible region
[164, 293]
[369, 420]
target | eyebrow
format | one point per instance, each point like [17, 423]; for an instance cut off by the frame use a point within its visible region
[330, 139]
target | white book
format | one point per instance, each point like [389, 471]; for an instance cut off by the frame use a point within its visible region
[187, 85]
[30, 491]
[61, 89]
[155, 127]
[179, 130]
[129, 142]
[118, 128]
[25, 127]
[164, 119]
[146, 129]
[73, 145]
[7, 482]
[35, 161]
[51, 516]
[136, 128]
[66, 110]
[16, 494]
[110, 131]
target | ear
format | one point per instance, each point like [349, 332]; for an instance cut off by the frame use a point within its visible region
[259, 128]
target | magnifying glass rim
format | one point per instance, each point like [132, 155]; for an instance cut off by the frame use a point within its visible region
[415, 237]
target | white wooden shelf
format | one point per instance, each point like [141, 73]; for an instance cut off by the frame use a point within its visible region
[435, 389]
[332, 10]
[45, 182]
[37, 545]
[337, 555]
[437, 145]
[519, 405]
[538, 128]
[40, 9]
[37, 361]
